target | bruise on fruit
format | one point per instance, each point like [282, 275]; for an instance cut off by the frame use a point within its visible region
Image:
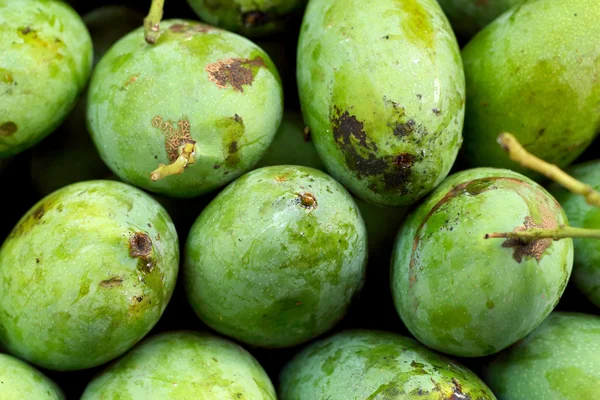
[140, 247]
[533, 248]
[234, 72]
[174, 137]
[112, 282]
[232, 130]
[8, 129]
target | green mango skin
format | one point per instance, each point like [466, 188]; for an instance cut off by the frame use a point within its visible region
[86, 273]
[180, 366]
[465, 295]
[557, 361]
[361, 364]
[266, 270]
[382, 90]
[45, 63]
[223, 85]
[586, 266]
[468, 17]
[253, 18]
[533, 72]
[19, 380]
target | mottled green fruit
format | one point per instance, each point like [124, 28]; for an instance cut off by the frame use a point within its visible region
[276, 257]
[468, 17]
[197, 83]
[248, 17]
[45, 63]
[382, 89]
[533, 72]
[557, 361]
[85, 274]
[19, 380]
[586, 266]
[358, 365]
[182, 366]
[463, 294]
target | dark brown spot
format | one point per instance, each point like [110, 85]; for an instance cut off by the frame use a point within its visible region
[436, 111]
[234, 72]
[216, 166]
[112, 282]
[38, 213]
[306, 134]
[404, 129]
[26, 30]
[534, 248]
[404, 160]
[307, 200]
[8, 129]
[37, 260]
[233, 147]
[139, 299]
[140, 245]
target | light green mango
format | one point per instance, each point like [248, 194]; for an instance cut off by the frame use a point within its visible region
[19, 381]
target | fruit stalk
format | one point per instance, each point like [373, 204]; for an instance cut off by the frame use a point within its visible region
[186, 157]
[152, 21]
[561, 232]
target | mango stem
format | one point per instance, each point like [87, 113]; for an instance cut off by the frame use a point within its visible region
[152, 21]
[518, 154]
[187, 154]
[562, 232]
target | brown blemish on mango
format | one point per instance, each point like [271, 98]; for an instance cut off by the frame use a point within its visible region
[112, 282]
[140, 245]
[232, 131]
[31, 38]
[234, 72]
[534, 248]
[8, 129]
[191, 28]
[174, 137]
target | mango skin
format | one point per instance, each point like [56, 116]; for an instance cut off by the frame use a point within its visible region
[533, 72]
[86, 273]
[45, 63]
[183, 365]
[19, 380]
[361, 364]
[465, 295]
[586, 266]
[266, 270]
[382, 90]
[557, 361]
[142, 99]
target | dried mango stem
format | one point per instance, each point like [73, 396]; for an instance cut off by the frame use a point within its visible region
[187, 154]
[561, 232]
[152, 21]
[518, 154]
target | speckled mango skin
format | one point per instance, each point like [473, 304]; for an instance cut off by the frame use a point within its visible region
[143, 98]
[465, 295]
[382, 89]
[77, 289]
[19, 380]
[534, 72]
[557, 361]
[180, 366]
[45, 63]
[586, 266]
[361, 364]
[253, 18]
[264, 269]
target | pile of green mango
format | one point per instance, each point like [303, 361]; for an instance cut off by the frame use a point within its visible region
[300, 200]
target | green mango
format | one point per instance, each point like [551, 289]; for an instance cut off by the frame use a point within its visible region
[85, 274]
[557, 361]
[468, 17]
[533, 72]
[19, 380]
[45, 63]
[382, 90]
[586, 266]
[361, 364]
[249, 17]
[275, 258]
[197, 83]
[463, 294]
[180, 366]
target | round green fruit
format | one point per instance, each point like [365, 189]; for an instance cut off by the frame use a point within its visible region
[86, 273]
[45, 63]
[19, 380]
[557, 361]
[467, 295]
[533, 72]
[357, 365]
[182, 366]
[276, 257]
[201, 94]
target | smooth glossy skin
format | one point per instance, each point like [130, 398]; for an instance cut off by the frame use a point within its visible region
[19, 380]
[265, 267]
[45, 63]
[534, 73]
[248, 17]
[382, 89]
[465, 295]
[557, 361]
[183, 366]
[197, 82]
[85, 274]
[358, 365]
[586, 267]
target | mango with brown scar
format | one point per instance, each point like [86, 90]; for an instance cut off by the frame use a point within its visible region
[462, 294]
[86, 273]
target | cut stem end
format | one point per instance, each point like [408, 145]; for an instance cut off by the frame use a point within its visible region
[152, 21]
[186, 157]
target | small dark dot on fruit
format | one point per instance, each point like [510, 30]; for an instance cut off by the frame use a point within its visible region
[156, 157]
[37, 260]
